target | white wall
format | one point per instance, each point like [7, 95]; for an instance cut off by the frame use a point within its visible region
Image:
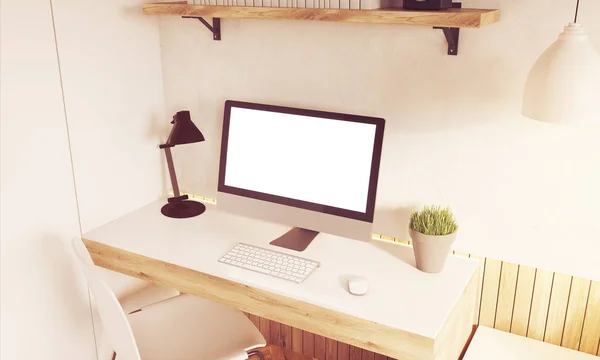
[111, 70]
[523, 191]
[45, 304]
[112, 76]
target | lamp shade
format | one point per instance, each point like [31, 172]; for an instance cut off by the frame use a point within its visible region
[184, 131]
[564, 84]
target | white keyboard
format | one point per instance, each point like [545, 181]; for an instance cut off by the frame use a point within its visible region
[268, 262]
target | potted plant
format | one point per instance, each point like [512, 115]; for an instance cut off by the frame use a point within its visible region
[433, 230]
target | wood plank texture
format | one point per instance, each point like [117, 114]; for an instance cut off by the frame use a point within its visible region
[368, 355]
[331, 349]
[255, 319]
[319, 347]
[355, 353]
[272, 352]
[308, 343]
[539, 305]
[559, 298]
[465, 18]
[286, 336]
[489, 292]
[264, 327]
[578, 299]
[523, 296]
[297, 340]
[275, 330]
[590, 336]
[506, 296]
[343, 351]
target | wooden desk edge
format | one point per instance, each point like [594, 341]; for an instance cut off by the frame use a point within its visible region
[326, 322]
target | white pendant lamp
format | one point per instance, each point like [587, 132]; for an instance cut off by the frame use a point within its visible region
[564, 84]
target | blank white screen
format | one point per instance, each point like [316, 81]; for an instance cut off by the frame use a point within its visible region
[318, 160]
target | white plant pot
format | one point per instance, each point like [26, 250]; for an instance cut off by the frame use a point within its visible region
[431, 251]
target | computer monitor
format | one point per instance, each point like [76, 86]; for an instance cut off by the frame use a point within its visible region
[310, 169]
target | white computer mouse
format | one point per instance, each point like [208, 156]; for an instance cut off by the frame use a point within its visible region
[358, 285]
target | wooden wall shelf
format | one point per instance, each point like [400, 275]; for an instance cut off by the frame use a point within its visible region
[454, 18]
[449, 21]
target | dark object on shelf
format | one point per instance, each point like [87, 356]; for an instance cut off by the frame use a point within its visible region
[427, 4]
[184, 132]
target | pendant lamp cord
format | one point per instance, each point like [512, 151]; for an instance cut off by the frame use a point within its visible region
[576, 11]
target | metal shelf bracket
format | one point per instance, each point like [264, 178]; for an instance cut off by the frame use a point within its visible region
[215, 28]
[451, 34]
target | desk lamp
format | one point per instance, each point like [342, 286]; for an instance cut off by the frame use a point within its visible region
[184, 132]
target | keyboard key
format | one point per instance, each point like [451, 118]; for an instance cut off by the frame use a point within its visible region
[255, 268]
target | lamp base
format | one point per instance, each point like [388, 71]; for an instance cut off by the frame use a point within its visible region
[183, 209]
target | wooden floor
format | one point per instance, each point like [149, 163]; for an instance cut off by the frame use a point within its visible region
[273, 352]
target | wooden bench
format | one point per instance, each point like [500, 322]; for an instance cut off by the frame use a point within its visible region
[492, 344]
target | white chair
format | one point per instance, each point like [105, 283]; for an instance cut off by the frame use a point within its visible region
[181, 328]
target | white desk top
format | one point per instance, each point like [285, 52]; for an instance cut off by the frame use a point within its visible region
[400, 296]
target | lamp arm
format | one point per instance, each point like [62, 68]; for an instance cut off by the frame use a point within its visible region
[171, 167]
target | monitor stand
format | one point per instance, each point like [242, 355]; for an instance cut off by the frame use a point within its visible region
[296, 239]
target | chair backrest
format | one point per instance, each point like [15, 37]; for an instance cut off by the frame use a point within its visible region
[114, 320]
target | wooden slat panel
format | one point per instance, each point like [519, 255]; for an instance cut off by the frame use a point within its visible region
[355, 353]
[331, 349]
[590, 337]
[472, 18]
[319, 347]
[308, 343]
[255, 320]
[580, 289]
[523, 296]
[264, 327]
[489, 293]
[368, 355]
[557, 312]
[297, 340]
[286, 336]
[380, 357]
[506, 296]
[343, 351]
[540, 303]
[275, 330]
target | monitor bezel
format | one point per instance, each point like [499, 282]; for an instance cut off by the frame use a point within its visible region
[379, 123]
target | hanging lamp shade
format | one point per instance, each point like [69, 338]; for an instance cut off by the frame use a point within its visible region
[564, 84]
